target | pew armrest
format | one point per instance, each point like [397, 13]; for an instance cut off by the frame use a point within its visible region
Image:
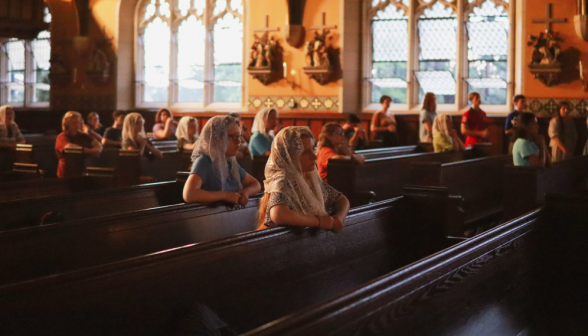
[362, 198]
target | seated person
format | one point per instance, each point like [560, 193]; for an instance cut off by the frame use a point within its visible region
[354, 133]
[294, 192]
[9, 132]
[113, 134]
[445, 138]
[216, 175]
[245, 131]
[165, 125]
[265, 122]
[93, 127]
[133, 135]
[332, 145]
[427, 117]
[529, 148]
[72, 136]
[383, 124]
[187, 134]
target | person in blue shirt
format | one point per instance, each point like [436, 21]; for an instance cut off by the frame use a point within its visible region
[216, 175]
[510, 125]
[264, 127]
[529, 148]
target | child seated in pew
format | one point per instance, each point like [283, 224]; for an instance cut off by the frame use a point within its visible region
[187, 134]
[113, 134]
[265, 122]
[134, 137]
[354, 133]
[72, 136]
[216, 175]
[332, 145]
[563, 134]
[294, 192]
[445, 138]
[473, 122]
[9, 132]
[529, 149]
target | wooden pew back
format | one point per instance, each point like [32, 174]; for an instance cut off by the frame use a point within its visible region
[521, 278]
[525, 187]
[25, 213]
[249, 279]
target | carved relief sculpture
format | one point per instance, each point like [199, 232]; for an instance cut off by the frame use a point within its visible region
[546, 63]
[59, 72]
[322, 63]
[266, 56]
[99, 67]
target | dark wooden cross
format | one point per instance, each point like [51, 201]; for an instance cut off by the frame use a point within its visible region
[324, 25]
[548, 20]
[267, 27]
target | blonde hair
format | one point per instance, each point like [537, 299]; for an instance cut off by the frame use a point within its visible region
[67, 117]
[473, 94]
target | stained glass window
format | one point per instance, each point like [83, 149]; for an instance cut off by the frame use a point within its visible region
[389, 52]
[488, 28]
[437, 52]
[174, 44]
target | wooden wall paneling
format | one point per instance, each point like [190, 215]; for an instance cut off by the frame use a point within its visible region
[301, 122]
[287, 122]
[316, 126]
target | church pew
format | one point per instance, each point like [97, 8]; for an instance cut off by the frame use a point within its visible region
[479, 181]
[524, 277]
[259, 161]
[386, 176]
[7, 158]
[525, 187]
[25, 213]
[39, 251]
[52, 187]
[42, 154]
[249, 279]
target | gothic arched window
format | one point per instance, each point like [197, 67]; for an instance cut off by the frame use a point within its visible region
[24, 70]
[448, 47]
[189, 53]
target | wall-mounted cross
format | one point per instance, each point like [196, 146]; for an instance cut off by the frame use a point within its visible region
[324, 25]
[548, 20]
[267, 27]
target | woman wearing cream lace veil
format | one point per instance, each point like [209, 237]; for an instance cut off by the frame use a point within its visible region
[294, 192]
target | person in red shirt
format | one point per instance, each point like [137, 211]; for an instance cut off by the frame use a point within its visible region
[333, 145]
[473, 122]
[72, 136]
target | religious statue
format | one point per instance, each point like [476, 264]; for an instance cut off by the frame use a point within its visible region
[265, 58]
[545, 59]
[316, 51]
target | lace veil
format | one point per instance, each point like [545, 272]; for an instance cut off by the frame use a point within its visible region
[214, 142]
[182, 130]
[260, 121]
[3, 109]
[282, 173]
[129, 127]
[440, 126]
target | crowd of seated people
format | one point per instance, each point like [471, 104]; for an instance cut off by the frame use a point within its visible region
[134, 138]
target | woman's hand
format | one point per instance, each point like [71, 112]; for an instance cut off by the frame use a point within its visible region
[337, 225]
[244, 197]
[170, 121]
[232, 197]
[391, 128]
[278, 128]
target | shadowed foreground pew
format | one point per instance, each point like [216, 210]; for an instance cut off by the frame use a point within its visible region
[525, 277]
[25, 213]
[250, 279]
[525, 187]
[386, 176]
[39, 251]
[479, 181]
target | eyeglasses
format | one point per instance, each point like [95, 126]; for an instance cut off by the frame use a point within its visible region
[337, 133]
[236, 137]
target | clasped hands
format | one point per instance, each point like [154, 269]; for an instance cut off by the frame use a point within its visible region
[237, 197]
[330, 223]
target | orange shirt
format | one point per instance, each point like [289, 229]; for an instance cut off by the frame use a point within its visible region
[63, 140]
[323, 156]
